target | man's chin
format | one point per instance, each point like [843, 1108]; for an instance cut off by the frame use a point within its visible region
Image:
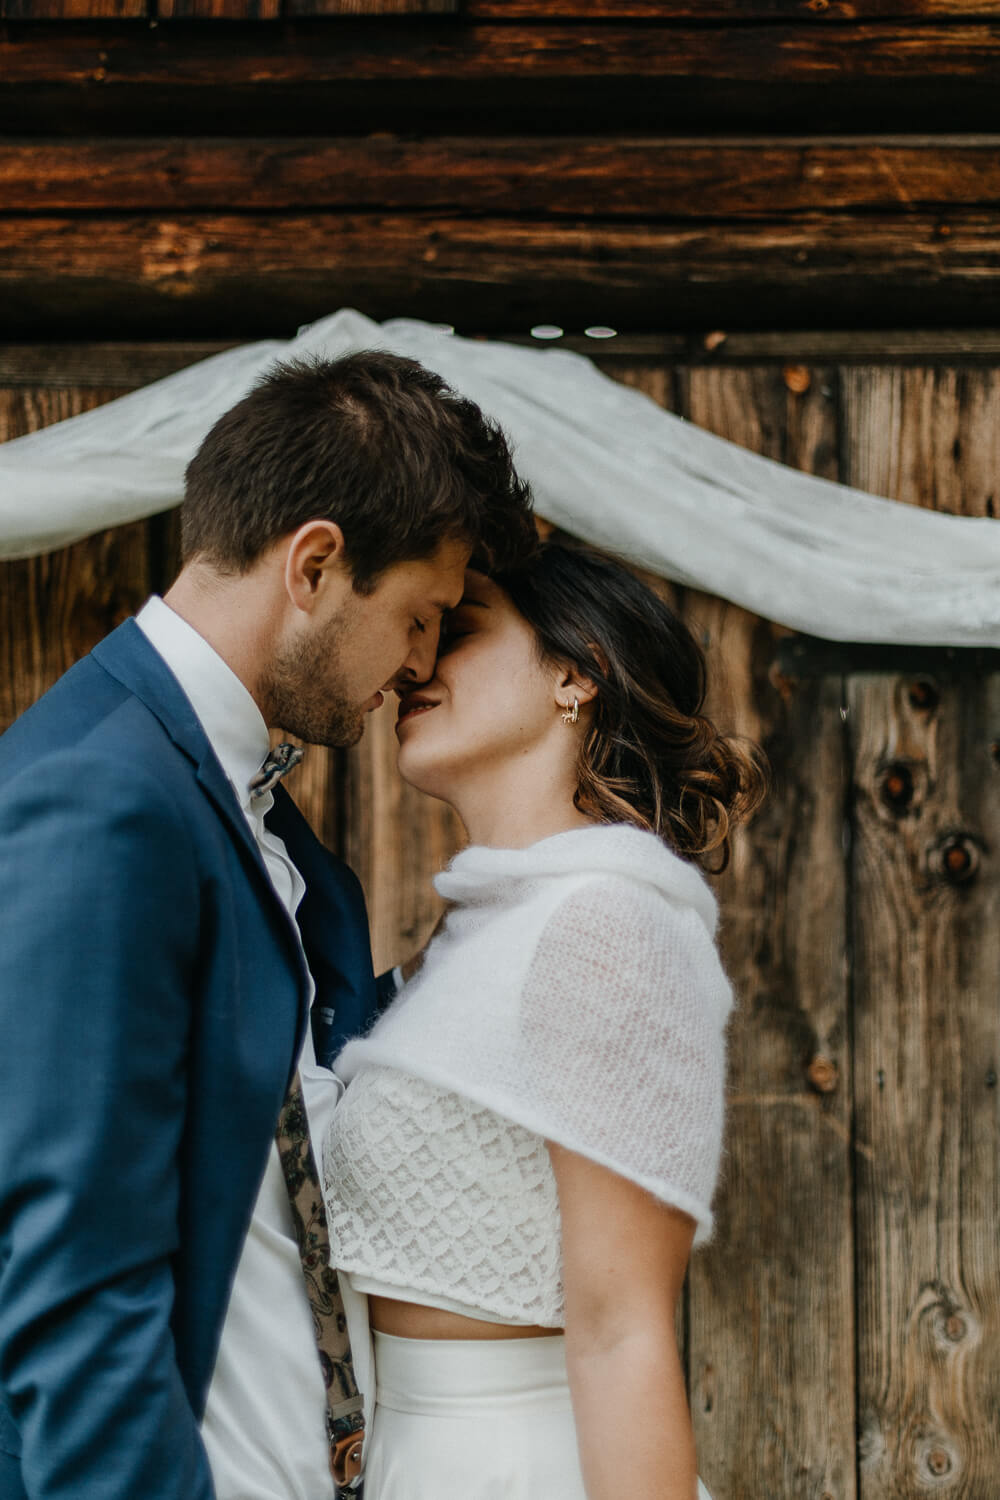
[345, 734]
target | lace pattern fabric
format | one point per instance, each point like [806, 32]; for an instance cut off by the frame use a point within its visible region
[427, 1189]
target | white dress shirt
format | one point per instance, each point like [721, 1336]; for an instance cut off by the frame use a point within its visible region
[264, 1427]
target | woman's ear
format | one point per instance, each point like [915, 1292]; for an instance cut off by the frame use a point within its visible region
[571, 684]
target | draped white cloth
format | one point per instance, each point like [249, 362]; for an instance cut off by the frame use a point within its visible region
[605, 462]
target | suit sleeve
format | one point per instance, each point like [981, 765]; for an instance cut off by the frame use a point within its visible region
[96, 962]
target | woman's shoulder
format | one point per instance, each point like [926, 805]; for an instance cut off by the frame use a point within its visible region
[632, 867]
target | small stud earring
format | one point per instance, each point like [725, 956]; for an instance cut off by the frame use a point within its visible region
[572, 714]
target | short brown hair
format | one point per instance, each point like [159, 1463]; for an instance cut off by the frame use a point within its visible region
[650, 756]
[372, 441]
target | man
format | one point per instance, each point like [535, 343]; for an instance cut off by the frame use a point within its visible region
[169, 927]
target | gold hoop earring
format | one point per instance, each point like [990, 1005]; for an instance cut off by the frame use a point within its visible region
[572, 714]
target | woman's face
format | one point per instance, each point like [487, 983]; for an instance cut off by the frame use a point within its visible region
[490, 701]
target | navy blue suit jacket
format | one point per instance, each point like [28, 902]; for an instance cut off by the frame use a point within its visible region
[153, 999]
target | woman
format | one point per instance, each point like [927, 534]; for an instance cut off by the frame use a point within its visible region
[528, 1144]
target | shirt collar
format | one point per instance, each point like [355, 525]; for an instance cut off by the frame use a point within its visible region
[233, 724]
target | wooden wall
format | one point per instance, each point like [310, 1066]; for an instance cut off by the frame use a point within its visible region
[843, 1332]
[710, 177]
[237, 167]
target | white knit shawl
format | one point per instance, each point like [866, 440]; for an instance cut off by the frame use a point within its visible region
[575, 989]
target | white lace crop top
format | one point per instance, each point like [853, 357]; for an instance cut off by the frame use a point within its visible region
[442, 1200]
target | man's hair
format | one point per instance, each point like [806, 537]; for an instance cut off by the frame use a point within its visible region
[371, 441]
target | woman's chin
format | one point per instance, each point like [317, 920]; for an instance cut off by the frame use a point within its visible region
[422, 772]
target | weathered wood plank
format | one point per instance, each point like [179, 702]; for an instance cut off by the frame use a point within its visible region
[740, 11]
[929, 437]
[270, 10]
[374, 51]
[771, 1321]
[84, 365]
[927, 954]
[54, 609]
[370, 7]
[218, 10]
[395, 839]
[548, 176]
[385, 73]
[73, 10]
[215, 273]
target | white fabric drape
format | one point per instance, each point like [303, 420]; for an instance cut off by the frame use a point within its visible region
[605, 463]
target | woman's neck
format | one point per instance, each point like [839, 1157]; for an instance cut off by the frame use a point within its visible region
[507, 809]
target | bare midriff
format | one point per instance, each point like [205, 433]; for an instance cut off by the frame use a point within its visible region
[411, 1320]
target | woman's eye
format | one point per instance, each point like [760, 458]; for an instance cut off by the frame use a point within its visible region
[448, 640]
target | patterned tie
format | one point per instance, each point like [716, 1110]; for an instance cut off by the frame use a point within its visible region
[345, 1420]
[282, 759]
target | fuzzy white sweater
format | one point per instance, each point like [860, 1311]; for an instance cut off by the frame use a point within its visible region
[574, 994]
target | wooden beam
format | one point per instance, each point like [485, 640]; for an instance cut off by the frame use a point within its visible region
[728, 10]
[73, 10]
[271, 10]
[225, 274]
[390, 74]
[218, 10]
[651, 177]
[128, 363]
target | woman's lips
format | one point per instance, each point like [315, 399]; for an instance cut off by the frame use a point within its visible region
[411, 709]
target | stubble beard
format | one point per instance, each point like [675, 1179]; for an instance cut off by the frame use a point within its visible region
[305, 690]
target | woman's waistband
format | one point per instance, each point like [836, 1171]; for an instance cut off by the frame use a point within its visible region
[464, 1375]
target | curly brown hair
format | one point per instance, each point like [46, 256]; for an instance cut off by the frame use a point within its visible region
[649, 755]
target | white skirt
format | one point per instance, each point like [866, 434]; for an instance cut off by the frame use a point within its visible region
[473, 1419]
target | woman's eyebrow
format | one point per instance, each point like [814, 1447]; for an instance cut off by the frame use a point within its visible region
[475, 603]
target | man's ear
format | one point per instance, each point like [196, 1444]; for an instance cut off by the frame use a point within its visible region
[315, 558]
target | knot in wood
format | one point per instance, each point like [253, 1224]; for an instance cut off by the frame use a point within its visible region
[939, 1462]
[955, 1328]
[955, 858]
[823, 1074]
[936, 1460]
[923, 695]
[897, 787]
[797, 378]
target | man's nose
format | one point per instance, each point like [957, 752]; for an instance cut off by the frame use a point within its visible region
[420, 664]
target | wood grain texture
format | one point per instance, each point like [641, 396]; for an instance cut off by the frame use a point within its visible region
[227, 274]
[925, 890]
[771, 1301]
[385, 73]
[370, 7]
[741, 11]
[663, 179]
[395, 839]
[73, 10]
[121, 362]
[907, 1095]
[53, 609]
[945, 426]
[440, 53]
[218, 10]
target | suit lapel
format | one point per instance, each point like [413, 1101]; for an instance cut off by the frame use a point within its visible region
[134, 662]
